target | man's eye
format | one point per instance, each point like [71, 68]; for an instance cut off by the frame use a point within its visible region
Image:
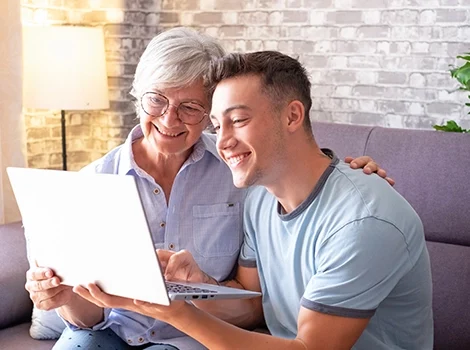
[237, 121]
[216, 127]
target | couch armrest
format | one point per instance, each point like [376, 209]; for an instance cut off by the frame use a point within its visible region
[15, 305]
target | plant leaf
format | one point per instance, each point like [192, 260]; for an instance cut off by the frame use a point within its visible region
[462, 74]
[450, 126]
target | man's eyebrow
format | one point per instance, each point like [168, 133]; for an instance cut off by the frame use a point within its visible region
[231, 108]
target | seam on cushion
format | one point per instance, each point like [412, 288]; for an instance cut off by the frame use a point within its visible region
[367, 140]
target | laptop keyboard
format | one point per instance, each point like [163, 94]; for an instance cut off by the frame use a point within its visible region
[179, 288]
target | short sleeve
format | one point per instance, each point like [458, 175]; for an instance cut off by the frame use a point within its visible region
[356, 269]
[247, 257]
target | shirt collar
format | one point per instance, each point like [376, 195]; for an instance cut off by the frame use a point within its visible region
[127, 163]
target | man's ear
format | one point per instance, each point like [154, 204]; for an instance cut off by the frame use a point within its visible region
[295, 115]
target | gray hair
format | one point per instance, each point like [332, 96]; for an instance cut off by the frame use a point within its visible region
[175, 58]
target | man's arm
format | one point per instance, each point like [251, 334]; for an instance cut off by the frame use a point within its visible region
[246, 313]
[316, 331]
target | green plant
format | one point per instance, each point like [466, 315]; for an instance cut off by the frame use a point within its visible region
[451, 126]
[462, 75]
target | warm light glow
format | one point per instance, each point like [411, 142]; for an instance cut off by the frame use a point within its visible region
[115, 16]
[40, 16]
[64, 67]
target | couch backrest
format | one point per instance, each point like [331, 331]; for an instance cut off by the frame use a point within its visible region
[432, 171]
[15, 305]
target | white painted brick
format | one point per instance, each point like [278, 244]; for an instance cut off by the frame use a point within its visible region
[416, 108]
[417, 80]
[420, 47]
[275, 18]
[317, 17]
[207, 5]
[366, 77]
[427, 17]
[186, 19]
[323, 46]
[343, 91]
[367, 4]
[393, 121]
[371, 17]
[383, 47]
[338, 62]
[400, 48]
[343, 4]
[375, 32]
[348, 32]
[367, 105]
[230, 17]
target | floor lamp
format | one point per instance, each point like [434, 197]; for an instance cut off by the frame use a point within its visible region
[64, 67]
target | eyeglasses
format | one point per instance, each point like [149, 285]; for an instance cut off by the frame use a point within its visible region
[156, 105]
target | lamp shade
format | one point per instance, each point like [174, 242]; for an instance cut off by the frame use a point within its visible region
[64, 67]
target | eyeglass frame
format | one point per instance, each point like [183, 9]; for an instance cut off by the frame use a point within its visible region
[168, 104]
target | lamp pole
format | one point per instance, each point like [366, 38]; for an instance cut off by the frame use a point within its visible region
[64, 143]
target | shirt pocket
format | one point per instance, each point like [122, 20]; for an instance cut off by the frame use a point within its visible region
[217, 229]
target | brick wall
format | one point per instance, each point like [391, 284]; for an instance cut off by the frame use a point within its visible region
[128, 26]
[376, 62]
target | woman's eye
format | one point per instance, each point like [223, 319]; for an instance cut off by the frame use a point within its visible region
[157, 101]
[188, 108]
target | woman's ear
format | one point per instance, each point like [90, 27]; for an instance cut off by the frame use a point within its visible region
[295, 115]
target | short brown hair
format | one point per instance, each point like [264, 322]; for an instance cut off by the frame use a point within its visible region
[283, 78]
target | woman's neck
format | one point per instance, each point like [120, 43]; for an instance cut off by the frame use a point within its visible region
[162, 167]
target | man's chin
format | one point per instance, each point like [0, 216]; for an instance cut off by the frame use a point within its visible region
[240, 182]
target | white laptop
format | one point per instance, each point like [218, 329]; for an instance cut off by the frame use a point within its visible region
[91, 228]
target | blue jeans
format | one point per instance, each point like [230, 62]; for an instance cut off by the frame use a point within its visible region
[100, 340]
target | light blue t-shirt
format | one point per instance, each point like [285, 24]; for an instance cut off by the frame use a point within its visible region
[353, 248]
[203, 215]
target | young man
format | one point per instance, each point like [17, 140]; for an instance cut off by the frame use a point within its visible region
[339, 256]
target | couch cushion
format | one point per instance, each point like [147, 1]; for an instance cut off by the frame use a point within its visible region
[450, 267]
[15, 304]
[17, 338]
[423, 163]
[344, 140]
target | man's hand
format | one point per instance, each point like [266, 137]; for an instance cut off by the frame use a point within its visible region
[181, 266]
[45, 289]
[92, 293]
[368, 166]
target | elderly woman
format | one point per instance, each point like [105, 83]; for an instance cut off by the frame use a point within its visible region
[187, 191]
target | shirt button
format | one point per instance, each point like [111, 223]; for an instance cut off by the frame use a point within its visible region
[171, 246]
[156, 191]
[162, 224]
[152, 333]
[141, 340]
[129, 341]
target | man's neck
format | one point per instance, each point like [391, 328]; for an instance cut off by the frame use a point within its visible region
[299, 177]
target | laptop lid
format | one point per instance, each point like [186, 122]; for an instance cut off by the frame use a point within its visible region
[91, 228]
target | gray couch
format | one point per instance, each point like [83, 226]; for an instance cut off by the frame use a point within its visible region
[432, 170]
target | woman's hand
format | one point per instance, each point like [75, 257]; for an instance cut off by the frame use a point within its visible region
[368, 166]
[45, 289]
[181, 266]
